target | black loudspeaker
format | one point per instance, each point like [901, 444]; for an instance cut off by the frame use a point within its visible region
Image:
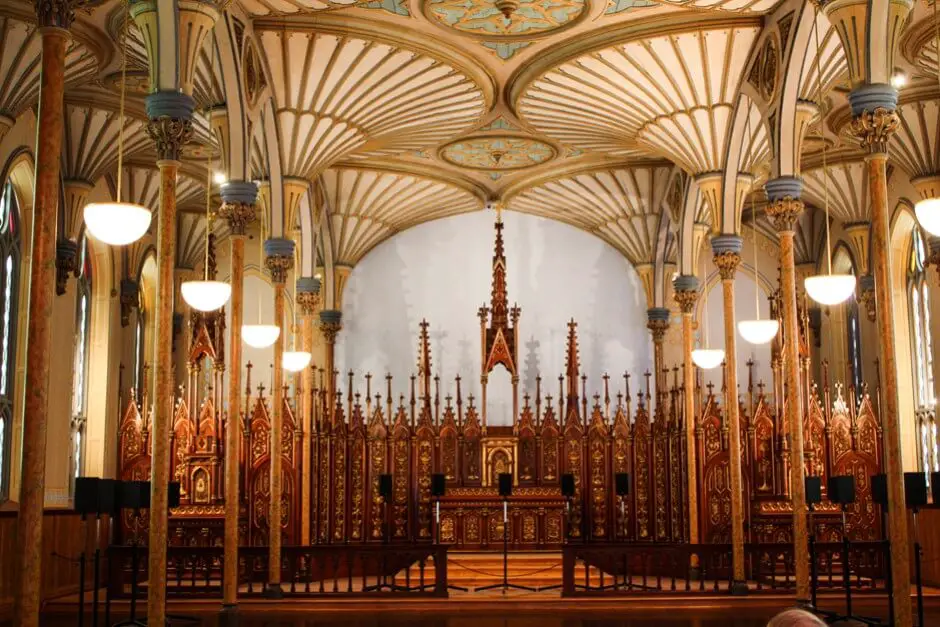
[935, 487]
[842, 489]
[505, 484]
[108, 496]
[567, 485]
[385, 486]
[134, 494]
[86, 495]
[879, 489]
[915, 489]
[174, 494]
[438, 485]
[813, 487]
[621, 483]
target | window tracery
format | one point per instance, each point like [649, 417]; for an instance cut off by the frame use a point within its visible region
[80, 364]
[919, 303]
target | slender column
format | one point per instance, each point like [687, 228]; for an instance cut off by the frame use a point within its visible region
[238, 207]
[279, 258]
[685, 288]
[784, 209]
[657, 321]
[55, 17]
[308, 292]
[331, 323]
[876, 119]
[727, 251]
[170, 128]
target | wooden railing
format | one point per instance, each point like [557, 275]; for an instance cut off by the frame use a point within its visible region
[305, 570]
[596, 569]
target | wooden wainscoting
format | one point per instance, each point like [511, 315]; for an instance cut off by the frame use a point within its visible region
[64, 537]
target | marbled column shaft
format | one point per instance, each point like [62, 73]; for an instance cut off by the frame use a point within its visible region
[658, 324]
[727, 257]
[164, 388]
[331, 323]
[170, 127]
[238, 200]
[233, 428]
[784, 209]
[308, 289]
[876, 120]
[686, 293]
[279, 260]
[39, 325]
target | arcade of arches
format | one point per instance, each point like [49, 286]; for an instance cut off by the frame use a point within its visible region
[617, 182]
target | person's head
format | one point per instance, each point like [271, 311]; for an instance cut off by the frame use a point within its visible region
[795, 618]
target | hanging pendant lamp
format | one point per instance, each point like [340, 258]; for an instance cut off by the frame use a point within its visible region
[707, 358]
[260, 335]
[295, 360]
[928, 209]
[207, 294]
[827, 289]
[114, 222]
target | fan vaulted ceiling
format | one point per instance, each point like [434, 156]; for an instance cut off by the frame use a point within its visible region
[395, 112]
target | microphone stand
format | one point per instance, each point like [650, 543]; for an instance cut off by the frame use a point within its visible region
[437, 538]
[505, 585]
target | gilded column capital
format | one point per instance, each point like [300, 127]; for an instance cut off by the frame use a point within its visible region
[66, 262]
[308, 294]
[279, 258]
[785, 205]
[57, 13]
[685, 291]
[238, 205]
[130, 298]
[657, 322]
[331, 323]
[875, 116]
[727, 254]
[171, 122]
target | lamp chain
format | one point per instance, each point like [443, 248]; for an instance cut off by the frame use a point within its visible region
[822, 134]
[209, 148]
[120, 162]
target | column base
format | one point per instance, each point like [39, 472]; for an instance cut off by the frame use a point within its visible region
[739, 588]
[228, 616]
[273, 591]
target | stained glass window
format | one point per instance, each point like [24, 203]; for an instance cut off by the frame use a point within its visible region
[919, 302]
[80, 367]
[9, 289]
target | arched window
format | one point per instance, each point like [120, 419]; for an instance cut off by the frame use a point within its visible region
[9, 288]
[80, 367]
[854, 343]
[919, 298]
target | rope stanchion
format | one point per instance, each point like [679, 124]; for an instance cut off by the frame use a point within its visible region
[482, 572]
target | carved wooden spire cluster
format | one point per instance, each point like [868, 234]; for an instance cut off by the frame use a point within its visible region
[499, 336]
[424, 363]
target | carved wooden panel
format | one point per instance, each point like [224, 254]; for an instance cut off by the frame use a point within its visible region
[642, 500]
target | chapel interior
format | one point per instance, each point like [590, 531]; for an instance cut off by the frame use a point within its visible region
[516, 312]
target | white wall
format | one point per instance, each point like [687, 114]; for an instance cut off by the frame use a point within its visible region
[743, 310]
[441, 271]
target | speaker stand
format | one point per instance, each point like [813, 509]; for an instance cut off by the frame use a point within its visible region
[383, 584]
[505, 585]
[133, 621]
[917, 574]
[437, 539]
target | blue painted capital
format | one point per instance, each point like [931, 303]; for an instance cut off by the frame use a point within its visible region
[308, 285]
[727, 243]
[244, 192]
[781, 187]
[657, 313]
[279, 247]
[686, 283]
[866, 283]
[331, 316]
[170, 104]
[871, 97]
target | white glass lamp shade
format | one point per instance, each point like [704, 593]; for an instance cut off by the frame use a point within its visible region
[117, 223]
[928, 214]
[758, 331]
[260, 335]
[206, 295]
[830, 289]
[708, 358]
[295, 361]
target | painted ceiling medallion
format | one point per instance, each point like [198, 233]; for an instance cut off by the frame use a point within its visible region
[505, 18]
[497, 153]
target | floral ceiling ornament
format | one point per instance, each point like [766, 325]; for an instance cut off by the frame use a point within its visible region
[505, 18]
[497, 153]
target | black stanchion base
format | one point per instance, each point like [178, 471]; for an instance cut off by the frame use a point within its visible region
[505, 586]
[273, 591]
[739, 588]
